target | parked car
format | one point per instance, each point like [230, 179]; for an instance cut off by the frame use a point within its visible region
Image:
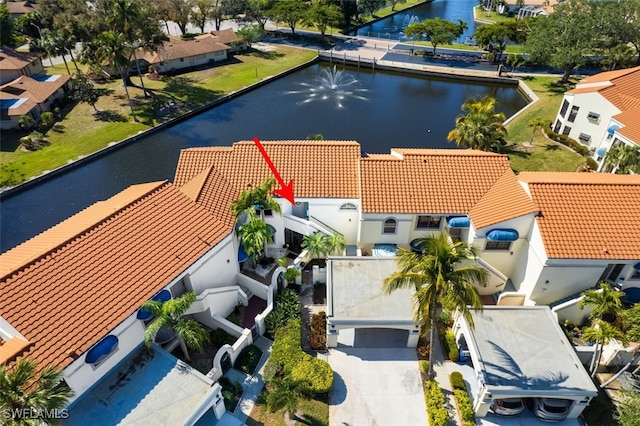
[551, 409]
[508, 407]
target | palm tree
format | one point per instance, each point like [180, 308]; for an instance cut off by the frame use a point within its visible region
[535, 123]
[606, 303]
[336, 243]
[113, 48]
[259, 196]
[254, 235]
[600, 333]
[286, 393]
[481, 127]
[317, 245]
[622, 159]
[23, 390]
[169, 315]
[442, 277]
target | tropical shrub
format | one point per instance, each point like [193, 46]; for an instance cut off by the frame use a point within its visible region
[316, 371]
[219, 338]
[465, 407]
[436, 411]
[287, 306]
[567, 141]
[457, 381]
[248, 359]
[424, 365]
[319, 331]
[231, 392]
[33, 141]
[449, 345]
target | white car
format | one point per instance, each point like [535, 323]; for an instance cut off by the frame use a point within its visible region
[551, 409]
[508, 406]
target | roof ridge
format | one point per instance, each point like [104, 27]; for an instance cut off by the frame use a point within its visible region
[57, 236]
[573, 178]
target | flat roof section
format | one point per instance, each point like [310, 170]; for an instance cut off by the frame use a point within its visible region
[355, 291]
[523, 348]
[149, 387]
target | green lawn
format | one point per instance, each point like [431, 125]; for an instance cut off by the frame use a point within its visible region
[386, 11]
[315, 413]
[493, 16]
[81, 132]
[546, 155]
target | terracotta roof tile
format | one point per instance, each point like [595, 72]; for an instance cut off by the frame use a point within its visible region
[620, 87]
[506, 200]
[177, 48]
[428, 181]
[100, 266]
[630, 121]
[30, 92]
[319, 168]
[587, 215]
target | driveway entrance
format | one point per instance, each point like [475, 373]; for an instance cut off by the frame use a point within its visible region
[373, 338]
[376, 387]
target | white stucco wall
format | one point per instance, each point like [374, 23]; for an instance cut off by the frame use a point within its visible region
[371, 226]
[80, 376]
[505, 261]
[328, 211]
[563, 277]
[212, 269]
[587, 102]
[528, 266]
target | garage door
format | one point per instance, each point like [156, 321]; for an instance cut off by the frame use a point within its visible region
[373, 338]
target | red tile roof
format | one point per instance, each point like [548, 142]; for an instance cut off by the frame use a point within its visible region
[587, 215]
[31, 91]
[320, 169]
[630, 120]
[620, 87]
[66, 288]
[439, 181]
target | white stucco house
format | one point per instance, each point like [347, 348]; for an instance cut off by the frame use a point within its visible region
[602, 111]
[72, 295]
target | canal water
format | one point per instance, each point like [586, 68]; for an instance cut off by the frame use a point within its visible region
[392, 27]
[379, 109]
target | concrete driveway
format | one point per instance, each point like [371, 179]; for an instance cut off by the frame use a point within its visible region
[376, 387]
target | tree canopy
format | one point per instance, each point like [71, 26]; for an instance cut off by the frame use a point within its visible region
[481, 127]
[437, 31]
[499, 34]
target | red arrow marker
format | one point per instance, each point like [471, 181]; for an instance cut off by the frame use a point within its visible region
[286, 191]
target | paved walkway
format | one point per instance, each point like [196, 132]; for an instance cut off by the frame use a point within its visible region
[441, 370]
[252, 385]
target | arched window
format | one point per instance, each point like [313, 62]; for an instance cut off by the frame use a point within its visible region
[390, 226]
[348, 206]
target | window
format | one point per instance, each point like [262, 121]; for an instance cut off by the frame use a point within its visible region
[428, 222]
[389, 226]
[635, 275]
[573, 113]
[268, 212]
[556, 127]
[348, 206]
[609, 136]
[565, 106]
[497, 245]
[101, 350]
[584, 138]
[593, 117]
[566, 130]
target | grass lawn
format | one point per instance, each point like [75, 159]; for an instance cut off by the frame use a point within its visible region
[316, 413]
[545, 155]
[81, 131]
[386, 11]
[492, 16]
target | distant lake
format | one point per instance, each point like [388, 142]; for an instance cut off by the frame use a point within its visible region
[379, 109]
[392, 27]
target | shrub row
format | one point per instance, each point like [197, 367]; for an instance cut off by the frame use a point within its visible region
[287, 306]
[465, 407]
[449, 345]
[219, 338]
[457, 381]
[288, 358]
[436, 410]
[248, 359]
[566, 140]
[319, 331]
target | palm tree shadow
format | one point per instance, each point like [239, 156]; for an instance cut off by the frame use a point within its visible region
[512, 149]
[110, 116]
[507, 372]
[552, 147]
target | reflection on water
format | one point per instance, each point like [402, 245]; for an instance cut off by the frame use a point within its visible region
[400, 110]
[331, 85]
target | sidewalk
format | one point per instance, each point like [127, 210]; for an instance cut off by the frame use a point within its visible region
[255, 383]
[441, 375]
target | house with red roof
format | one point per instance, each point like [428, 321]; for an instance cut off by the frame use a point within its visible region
[602, 111]
[72, 295]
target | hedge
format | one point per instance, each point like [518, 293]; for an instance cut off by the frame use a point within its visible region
[319, 331]
[436, 411]
[567, 141]
[457, 381]
[449, 343]
[287, 306]
[248, 359]
[287, 354]
[465, 407]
